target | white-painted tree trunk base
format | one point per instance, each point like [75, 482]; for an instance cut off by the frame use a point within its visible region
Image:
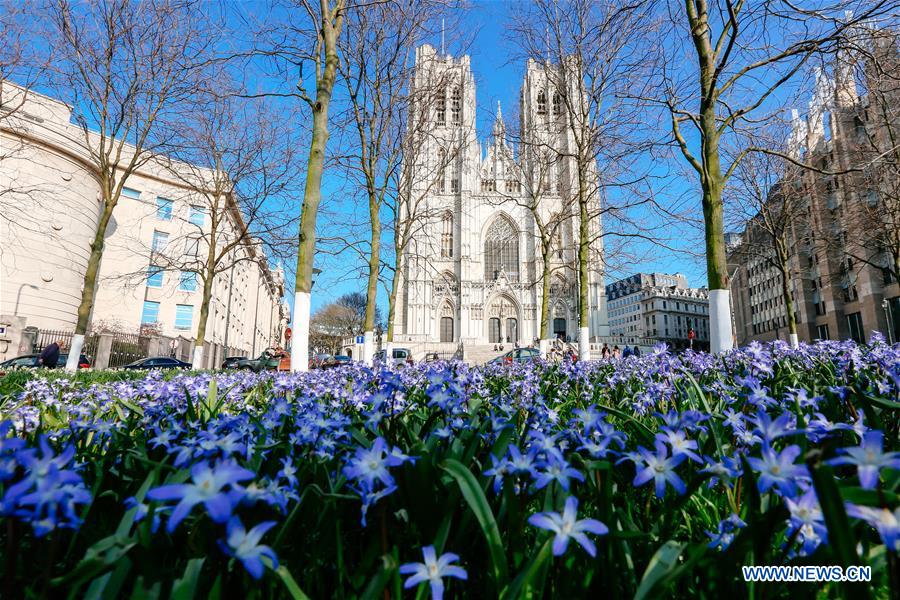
[584, 344]
[74, 352]
[368, 347]
[197, 360]
[300, 339]
[795, 340]
[721, 337]
[544, 347]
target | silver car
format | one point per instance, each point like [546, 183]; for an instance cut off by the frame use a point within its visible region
[402, 356]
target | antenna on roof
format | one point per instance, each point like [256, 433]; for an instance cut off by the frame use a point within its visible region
[547, 44]
[442, 37]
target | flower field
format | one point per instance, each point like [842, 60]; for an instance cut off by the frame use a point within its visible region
[654, 476]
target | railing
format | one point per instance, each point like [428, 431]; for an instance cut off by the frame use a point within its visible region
[45, 337]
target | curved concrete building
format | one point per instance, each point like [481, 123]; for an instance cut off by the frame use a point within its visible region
[49, 208]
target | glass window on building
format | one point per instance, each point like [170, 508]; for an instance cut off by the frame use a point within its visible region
[150, 315]
[198, 216]
[164, 209]
[184, 316]
[131, 193]
[154, 277]
[188, 281]
[854, 322]
[894, 317]
[160, 240]
[822, 332]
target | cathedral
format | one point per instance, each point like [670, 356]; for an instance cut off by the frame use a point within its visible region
[471, 271]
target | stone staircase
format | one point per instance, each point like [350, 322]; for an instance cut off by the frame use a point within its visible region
[478, 354]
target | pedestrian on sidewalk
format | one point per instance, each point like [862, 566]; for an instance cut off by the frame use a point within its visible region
[50, 356]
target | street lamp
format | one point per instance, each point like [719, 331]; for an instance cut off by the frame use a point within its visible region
[315, 273]
[890, 325]
[19, 295]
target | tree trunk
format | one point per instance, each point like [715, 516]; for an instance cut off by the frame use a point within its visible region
[197, 361]
[584, 345]
[312, 194]
[89, 285]
[720, 331]
[372, 287]
[784, 268]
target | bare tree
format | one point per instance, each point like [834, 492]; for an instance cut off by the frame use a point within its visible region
[376, 70]
[237, 164]
[122, 65]
[740, 54]
[591, 55]
[311, 35]
[770, 198]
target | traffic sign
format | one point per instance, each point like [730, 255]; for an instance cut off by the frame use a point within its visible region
[360, 339]
[287, 333]
[690, 334]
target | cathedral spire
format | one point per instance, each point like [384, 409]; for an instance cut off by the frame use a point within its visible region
[499, 130]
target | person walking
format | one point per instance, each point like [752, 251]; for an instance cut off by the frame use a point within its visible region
[616, 353]
[604, 352]
[626, 352]
[50, 356]
[637, 351]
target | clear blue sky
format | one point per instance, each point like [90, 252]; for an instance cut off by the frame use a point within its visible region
[498, 77]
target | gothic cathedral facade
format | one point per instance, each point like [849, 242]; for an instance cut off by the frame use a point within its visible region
[474, 217]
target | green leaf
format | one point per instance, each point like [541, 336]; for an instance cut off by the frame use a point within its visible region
[477, 501]
[185, 587]
[840, 537]
[131, 406]
[524, 579]
[664, 560]
[376, 585]
[142, 592]
[288, 580]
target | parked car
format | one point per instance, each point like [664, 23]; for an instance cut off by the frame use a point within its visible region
[232, 361]
[272, 359]
[157, 362]
[336, 361]
[401, 356]
[517, 355]
[317, 360]
[30, 361]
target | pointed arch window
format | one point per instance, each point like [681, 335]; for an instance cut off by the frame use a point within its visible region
[447, 235]
[441, 107]
[442, 170]
[501, 250]
[557, 104]
[542, 102]
[456, 105]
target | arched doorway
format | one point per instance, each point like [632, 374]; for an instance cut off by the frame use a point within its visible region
[503, 321]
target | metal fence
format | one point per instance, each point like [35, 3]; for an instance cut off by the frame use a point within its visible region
[127, 348]
[45, 337]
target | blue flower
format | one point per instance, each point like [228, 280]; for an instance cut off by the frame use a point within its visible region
[885, 522]
[680, 444]
[869, 458]
[433, 570]
[723, 470]
[244, 545]
[779, 470]
[207, 487]
[369, 465]
[565, 526]
[661, 469]
[556, 469]
[807, 521]
[726, 531]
